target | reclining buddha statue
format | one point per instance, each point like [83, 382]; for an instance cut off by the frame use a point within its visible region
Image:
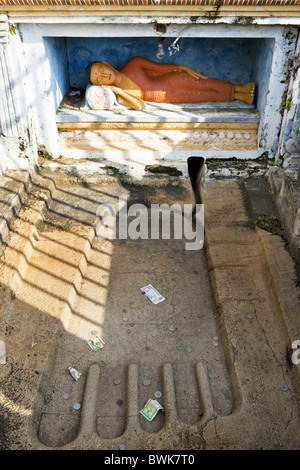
[143, 80]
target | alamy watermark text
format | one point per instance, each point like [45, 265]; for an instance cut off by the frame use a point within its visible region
[159, 221]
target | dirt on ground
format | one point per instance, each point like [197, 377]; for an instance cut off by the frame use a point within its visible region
[217, 355]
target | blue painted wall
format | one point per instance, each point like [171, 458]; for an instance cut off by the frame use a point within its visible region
[237, 60]
[56, 53]
[226, 59]
[262, 69]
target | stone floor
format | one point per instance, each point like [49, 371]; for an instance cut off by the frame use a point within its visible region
[220, 348]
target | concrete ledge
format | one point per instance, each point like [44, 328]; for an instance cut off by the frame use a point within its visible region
[235, 111]
[285, 186]
[254, 284]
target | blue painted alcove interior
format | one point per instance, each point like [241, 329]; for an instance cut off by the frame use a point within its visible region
[238, 60]
[226, 59]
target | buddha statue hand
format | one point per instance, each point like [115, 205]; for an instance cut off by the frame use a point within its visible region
[126, 99]
[191, 72]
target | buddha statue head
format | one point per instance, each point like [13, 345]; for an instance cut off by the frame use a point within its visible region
[101, 73]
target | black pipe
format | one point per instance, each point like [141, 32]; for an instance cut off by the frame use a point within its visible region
[196, 168]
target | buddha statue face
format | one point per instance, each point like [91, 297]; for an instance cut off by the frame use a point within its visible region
[102, 74]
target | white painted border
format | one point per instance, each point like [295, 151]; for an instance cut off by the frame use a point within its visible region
[180, 20]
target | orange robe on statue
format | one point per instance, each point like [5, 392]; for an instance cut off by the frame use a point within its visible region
[166, 83]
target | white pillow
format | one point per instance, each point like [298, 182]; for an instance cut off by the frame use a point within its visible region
[100, 97]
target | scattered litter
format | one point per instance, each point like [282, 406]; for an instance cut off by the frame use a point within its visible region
[121, 446]
[215, 338]
[96, 344]
[249, 316]
[284, 388]
[153, 335]
[218, 358]
[33, 344]
[146, 383]
[75, 374]
[151, 409]
[94, 332]
[120, 402]
[158, 394]
[117, 382]
[225, 391]
[171, 328]
[215, 343]
[73, 93]
[65, 396]
[152, 294]
[128, 330]
[125, 318]
[2, 353]
[77, 406]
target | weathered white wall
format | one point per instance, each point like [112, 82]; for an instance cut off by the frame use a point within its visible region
[16, 146]
[289, 141]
